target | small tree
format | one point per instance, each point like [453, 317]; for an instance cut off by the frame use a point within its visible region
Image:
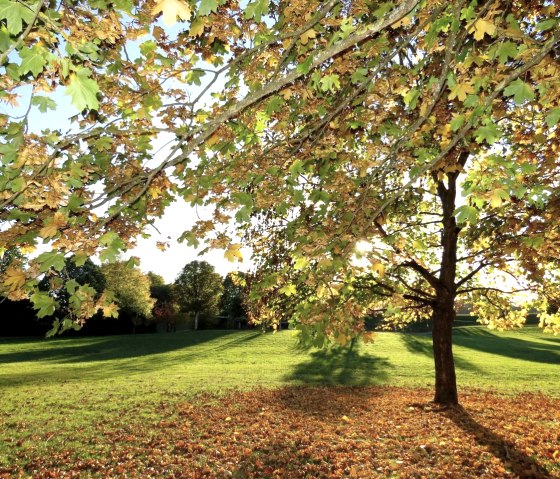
[131, 288]
[198, 289]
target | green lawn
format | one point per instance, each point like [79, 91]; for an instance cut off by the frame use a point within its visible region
[56, 392]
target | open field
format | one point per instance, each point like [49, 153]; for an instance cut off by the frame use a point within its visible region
[89, 407]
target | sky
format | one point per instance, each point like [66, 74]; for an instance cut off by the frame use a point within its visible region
[178, 217]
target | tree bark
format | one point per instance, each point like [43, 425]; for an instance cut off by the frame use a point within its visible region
[442, 341]
[196, 320]
[443, 307]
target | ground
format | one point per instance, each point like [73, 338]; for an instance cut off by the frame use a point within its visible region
[222, 404]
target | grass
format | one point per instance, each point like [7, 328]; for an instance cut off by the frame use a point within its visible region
[60, 393]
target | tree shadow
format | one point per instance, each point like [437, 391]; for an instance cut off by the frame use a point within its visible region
[480, 339]
[107, 348]
[422, 344]
[109, 357]
[518, 462]
[340, 367]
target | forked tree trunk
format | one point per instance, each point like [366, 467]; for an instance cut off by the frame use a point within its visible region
[443, 308]
[442, 340]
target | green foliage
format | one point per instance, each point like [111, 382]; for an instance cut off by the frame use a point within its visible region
[198, 289]
[131, 288]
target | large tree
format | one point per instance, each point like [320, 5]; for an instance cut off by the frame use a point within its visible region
[198, 289]
[426, 129]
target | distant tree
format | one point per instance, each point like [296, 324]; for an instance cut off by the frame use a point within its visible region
[131, 288]
[232, 302]
[198, 289]
[165, 307]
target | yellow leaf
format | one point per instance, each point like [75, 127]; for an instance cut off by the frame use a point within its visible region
[110, 310]
[48, 231]
[368, 337]
[346, 419]
[342, 339]
[461, 91]
[232, 253]
[377, 267]
[482, 27]
[213, 139]
[305, 36]
[286, 93]
[14, 279]
[161, 245]
[171, 9]
[197, 27]
[54, 224]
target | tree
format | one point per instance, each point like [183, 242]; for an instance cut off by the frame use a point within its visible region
[427, 129]
[165, 309]
[198, 289]
[233, 299]
[131, 289]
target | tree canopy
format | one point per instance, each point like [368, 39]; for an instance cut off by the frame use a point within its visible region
[425, 130]
[198, 290]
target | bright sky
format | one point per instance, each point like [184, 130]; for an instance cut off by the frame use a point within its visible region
[178, 218]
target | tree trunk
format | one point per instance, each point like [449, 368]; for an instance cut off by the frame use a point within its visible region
[443, 308]
[442, 332]
[196, 320]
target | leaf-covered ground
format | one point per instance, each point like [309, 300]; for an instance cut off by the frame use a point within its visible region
[313, 432]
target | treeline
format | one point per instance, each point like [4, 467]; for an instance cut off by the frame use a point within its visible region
[198, 299]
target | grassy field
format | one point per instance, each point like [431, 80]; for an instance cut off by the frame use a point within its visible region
[57, 393]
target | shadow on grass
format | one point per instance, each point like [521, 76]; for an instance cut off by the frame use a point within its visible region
[109, 348]
[422, 344]
[112, 356]
[340, 366]
[481, 339]
[522, 465]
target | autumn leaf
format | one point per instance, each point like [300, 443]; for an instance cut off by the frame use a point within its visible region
[14, 278]
[171, 10]
[483, 27]
[233, 253]
[307, 35]
[53, 225]
[460, 91]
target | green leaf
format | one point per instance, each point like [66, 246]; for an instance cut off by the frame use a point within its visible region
[45, 305]
[15, 13]
[547, 24]
[304, 67]
[411, 98]
[488, 133]
[208, 6]
[289, 289]
[33, 60]
[49, 260]
[274, 105]
[457, 122]
[383, 9]
[83, 90]
[520, 91]
[359, 76]
[506, 50]
[553, 117]
[330, 82]
[5, 40]
[257, 9]
[466, 214]
[44, 103]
